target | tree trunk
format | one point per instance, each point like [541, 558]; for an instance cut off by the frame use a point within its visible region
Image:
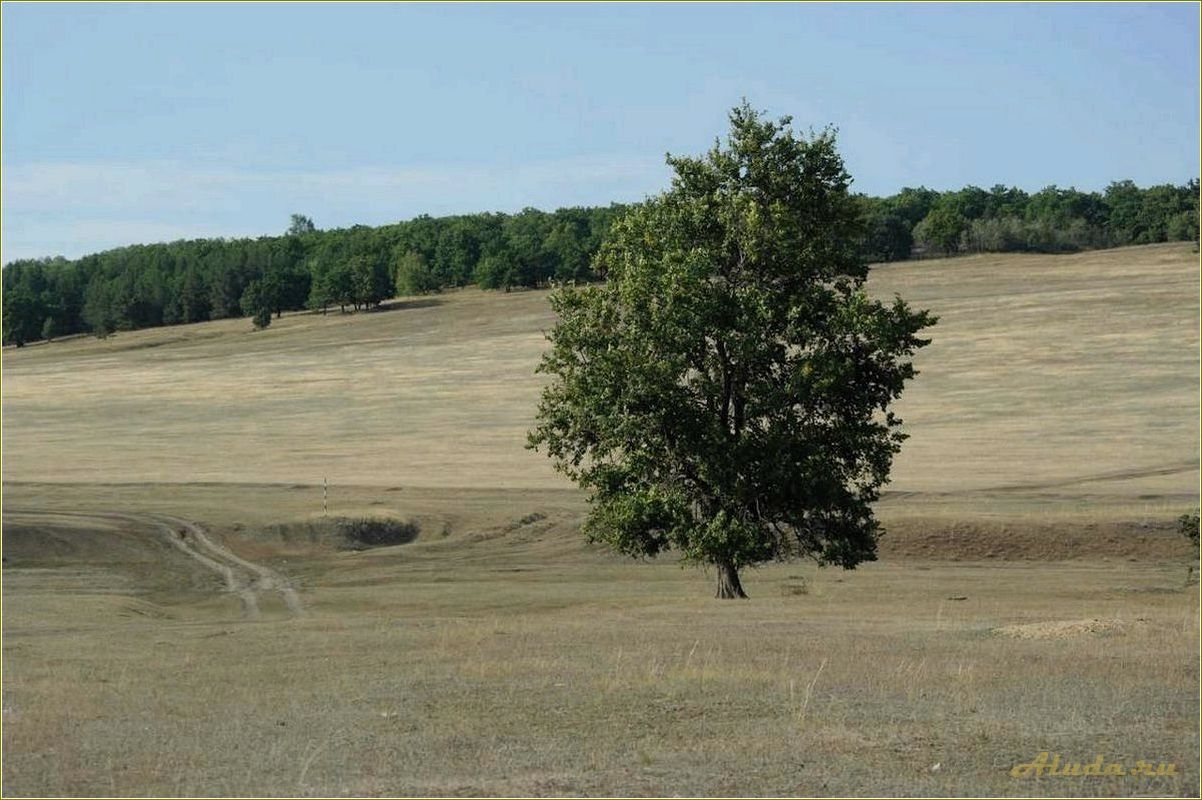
[728, 582]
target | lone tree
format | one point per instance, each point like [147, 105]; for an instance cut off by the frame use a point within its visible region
[300, 225]
[725, 393]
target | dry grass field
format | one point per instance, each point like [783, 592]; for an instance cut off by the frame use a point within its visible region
[179, 619]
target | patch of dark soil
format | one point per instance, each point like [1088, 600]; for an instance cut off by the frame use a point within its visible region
[529, 519]
[346, 533]
[1020, 540]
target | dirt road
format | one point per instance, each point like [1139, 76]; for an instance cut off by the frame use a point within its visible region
[245, 579]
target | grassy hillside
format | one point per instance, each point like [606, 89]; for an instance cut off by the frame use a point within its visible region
[180, 619]
[1073, 374]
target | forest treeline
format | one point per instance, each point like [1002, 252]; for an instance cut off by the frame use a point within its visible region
[143, 286]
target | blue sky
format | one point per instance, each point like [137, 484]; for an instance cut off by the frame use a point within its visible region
[136, 123]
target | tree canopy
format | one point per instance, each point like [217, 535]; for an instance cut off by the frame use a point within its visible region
[145, 285]
[725, 394]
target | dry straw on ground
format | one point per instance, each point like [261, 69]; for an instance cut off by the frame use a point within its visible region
[1054, 440]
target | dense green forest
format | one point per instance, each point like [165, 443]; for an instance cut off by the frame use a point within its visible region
[355, 268]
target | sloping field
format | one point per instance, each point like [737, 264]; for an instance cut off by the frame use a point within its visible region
[180, 618]
[1071, 375]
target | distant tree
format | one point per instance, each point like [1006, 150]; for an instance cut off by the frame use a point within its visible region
[257, 304]
[194, 297]
[567, 241]
[225, 292]
[887, 236]
[330, 282]
[286, 287]
[421, 234]
[532, 261]
[341, 285]
[1124, 201]
[301, 225]
[98, 312]
[1182, 227]
[320, 296]
[414, 275]
[1006, 202]
[726, 392]
[455, 254]
[188, 281]
[971, 202]
[913, 204]
[942, 228]
[497, 270]
[24, 317]
[1159, 208]
[370, 280]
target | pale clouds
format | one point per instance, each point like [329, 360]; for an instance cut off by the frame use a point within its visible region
[76, 208]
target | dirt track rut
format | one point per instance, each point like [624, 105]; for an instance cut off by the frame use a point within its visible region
[244, 579]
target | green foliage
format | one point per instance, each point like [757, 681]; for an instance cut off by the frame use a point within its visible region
[257, 304]
[51, 328]
[725, 393]
[415, 276]
[497, 270]
[300, 225]
[913, 204]
[532, 262]
[1006, 202]
[191, 281]
[330, 278]
[99, 311]
[887, 234]
[1124, 201]
[941, 229]
[23, 314]
[1052, 220]
[371, 281]
[971, 202]
[1015, 234]
[458, 250]
[193, 297]
[1187, 526]
[570, 245]
[225, 291]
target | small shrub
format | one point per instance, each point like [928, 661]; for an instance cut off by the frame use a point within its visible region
[377, 532]
[529, 519]
[1187, 525]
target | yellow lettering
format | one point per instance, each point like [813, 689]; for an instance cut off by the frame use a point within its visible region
[1037, 766]
[1114, 769]
[1096, 767]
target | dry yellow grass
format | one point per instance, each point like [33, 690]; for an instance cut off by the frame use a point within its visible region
[527, 664]
[1076, 374]
[1054, 439]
